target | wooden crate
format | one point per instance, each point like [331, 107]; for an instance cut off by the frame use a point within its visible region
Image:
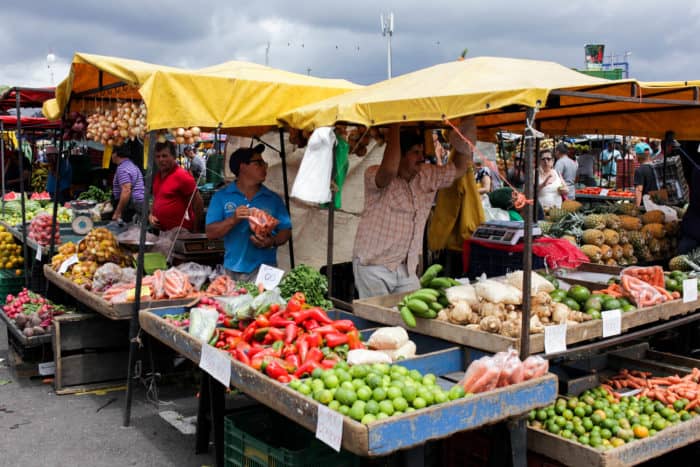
[25, 360]
[89, 352]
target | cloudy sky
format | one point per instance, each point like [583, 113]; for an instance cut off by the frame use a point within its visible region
[344, 40]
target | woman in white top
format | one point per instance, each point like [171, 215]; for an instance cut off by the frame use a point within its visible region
[548, 190]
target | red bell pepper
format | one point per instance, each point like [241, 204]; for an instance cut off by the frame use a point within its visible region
[328, 364]
[303, 346]
[293, 360]
[354, 341]
[313, 313]
[249, 332]
[273, 335]
[290, 332]
[273, 369]
[243, 347]
[293, 305]
[284, 379]
[326, 329]
[306, 369]
[231, 332]
[274, 308]
[314, 355]
[279, 322]
[300, 297]
[262, 321]
[254, 351]
[334, 340]
[343, 325]
[314, 339]
[310, 324]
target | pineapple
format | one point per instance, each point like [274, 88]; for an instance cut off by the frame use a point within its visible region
[653, 217]
[594, 221]
[606, 252]
[630, 222]
[624, 239]
[672, 228]
[611, 262]
[545, 226]
[654, 230]
[612, 221]
[618, 252]
[571, 205]
[554, 214]
[632, 260]
[570, 238]
[592, 251]
[654, 246]
[627, 250]
[677, 263]
[636, 238]
[627, 209]
[593, 237]
[623, 262]
[611, 237]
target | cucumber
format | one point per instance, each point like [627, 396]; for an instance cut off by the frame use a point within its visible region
[417, 305]
[437, 306]
[422, 296]
[441, 283]
[430, 274]
[407, 317]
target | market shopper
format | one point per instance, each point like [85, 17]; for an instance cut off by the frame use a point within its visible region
[230, 208]
[566, 167]
[12, 175]
[585, 174]
[644, 180]
[197, 164]
[399, 194]
[127, 187]
[608, 162]
[176, 200]
[550, 185]
[52, 158]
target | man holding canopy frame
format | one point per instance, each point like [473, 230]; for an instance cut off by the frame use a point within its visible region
[399, 194]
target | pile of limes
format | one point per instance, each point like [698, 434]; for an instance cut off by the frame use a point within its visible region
[597, 420]
[374, 392]
[579, 298]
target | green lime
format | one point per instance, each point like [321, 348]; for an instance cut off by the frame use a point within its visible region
[429, 379]
[415, 375]
[317, 373]
[580, 411]
[440, 397]
[628, 307]
[325, 397]
[659, 424]
[426, 395]
[382, 416]
[579, 293]
[334, 405]
[357, 411]
[571, 303]
[553, 428]
[409, 393]
[304, 389]
[364, 393]
[678, 405]
[381, 368]
[373, 380]
[344, 409]
[294, 384]
[372, 407]
[386, 407]
[368, 418]
[584, 439]
[558, 293]
[593, 302]
[400, 403]
[419, 403]
[612, 304]
[317, 385]
[457, 391]
[393, 392]
[358, 383]
[379, 394]
[331, 381]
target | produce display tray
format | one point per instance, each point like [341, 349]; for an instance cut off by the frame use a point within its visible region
[33, 341]
[381, 309]
[394, 433]
[589, 197]
[102, 306]
[576, 454]
[64, 229]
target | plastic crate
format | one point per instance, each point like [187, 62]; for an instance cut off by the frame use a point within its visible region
[260, 437]
[495, 262]
[10, 283]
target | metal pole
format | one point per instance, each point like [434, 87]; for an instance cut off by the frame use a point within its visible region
[527, 250]
[134, 324]
[285, 181]
[331, 227]
[388, 55]
[2, 161]
[54, 225]
[20, 157]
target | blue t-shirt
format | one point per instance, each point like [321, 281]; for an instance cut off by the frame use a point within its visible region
[66, 178]
[241, 255]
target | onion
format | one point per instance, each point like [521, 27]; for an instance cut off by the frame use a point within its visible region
[188, 134]
[124, 133]
[179, 140]
[195, 130]
[180, 132]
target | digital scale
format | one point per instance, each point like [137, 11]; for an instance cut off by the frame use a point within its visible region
[198, 244]
[503, 232]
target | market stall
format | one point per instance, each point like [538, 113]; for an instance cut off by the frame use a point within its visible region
[496, 92]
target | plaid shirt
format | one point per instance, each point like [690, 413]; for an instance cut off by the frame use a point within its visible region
[390, 232]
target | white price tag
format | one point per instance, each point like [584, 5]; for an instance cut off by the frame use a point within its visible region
[47, 368]
[555, 338]
[38, 252]
[216, 363]
[73, 259]
[269, 276]
[612, 322]
[690, 290]
[604, 192]
[329, 427]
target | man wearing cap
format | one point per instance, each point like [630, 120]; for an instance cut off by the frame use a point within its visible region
[644, 180]
[229, 210]
[197, 165]
[176, 200]
[127, 187]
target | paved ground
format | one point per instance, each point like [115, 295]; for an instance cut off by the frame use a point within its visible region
[40, 428]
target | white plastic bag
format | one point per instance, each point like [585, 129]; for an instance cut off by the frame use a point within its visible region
[462, 293]
[367, 357]
[498, 292]
[196, 273]
[313, 181]
[203, 323]
[537, 282]
[408, 350]
[238, 307]
[389, 338]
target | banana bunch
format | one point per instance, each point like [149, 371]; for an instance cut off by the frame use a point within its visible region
[427, 301]
[39, 176]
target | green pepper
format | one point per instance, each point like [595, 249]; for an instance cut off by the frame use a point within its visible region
[214, 337]
[260, 334]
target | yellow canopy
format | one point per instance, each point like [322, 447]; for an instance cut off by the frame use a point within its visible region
[232, 94]
[496, 90]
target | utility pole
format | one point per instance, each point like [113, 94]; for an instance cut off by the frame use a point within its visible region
[50, 59]
[267, 54]
[308, 71]
[387, 24]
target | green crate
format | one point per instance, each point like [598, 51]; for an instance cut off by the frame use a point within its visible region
[260, 437]
[10, 283]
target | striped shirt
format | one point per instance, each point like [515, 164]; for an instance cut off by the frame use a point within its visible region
[127, 172]
[390, 232]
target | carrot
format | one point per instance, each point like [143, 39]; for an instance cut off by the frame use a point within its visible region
[693, 404]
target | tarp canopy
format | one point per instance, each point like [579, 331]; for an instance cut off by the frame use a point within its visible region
[498, 90]
[30, 123]
[231, 95]
[29, 97]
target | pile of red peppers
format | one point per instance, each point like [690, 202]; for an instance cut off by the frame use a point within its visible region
[289, 342]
